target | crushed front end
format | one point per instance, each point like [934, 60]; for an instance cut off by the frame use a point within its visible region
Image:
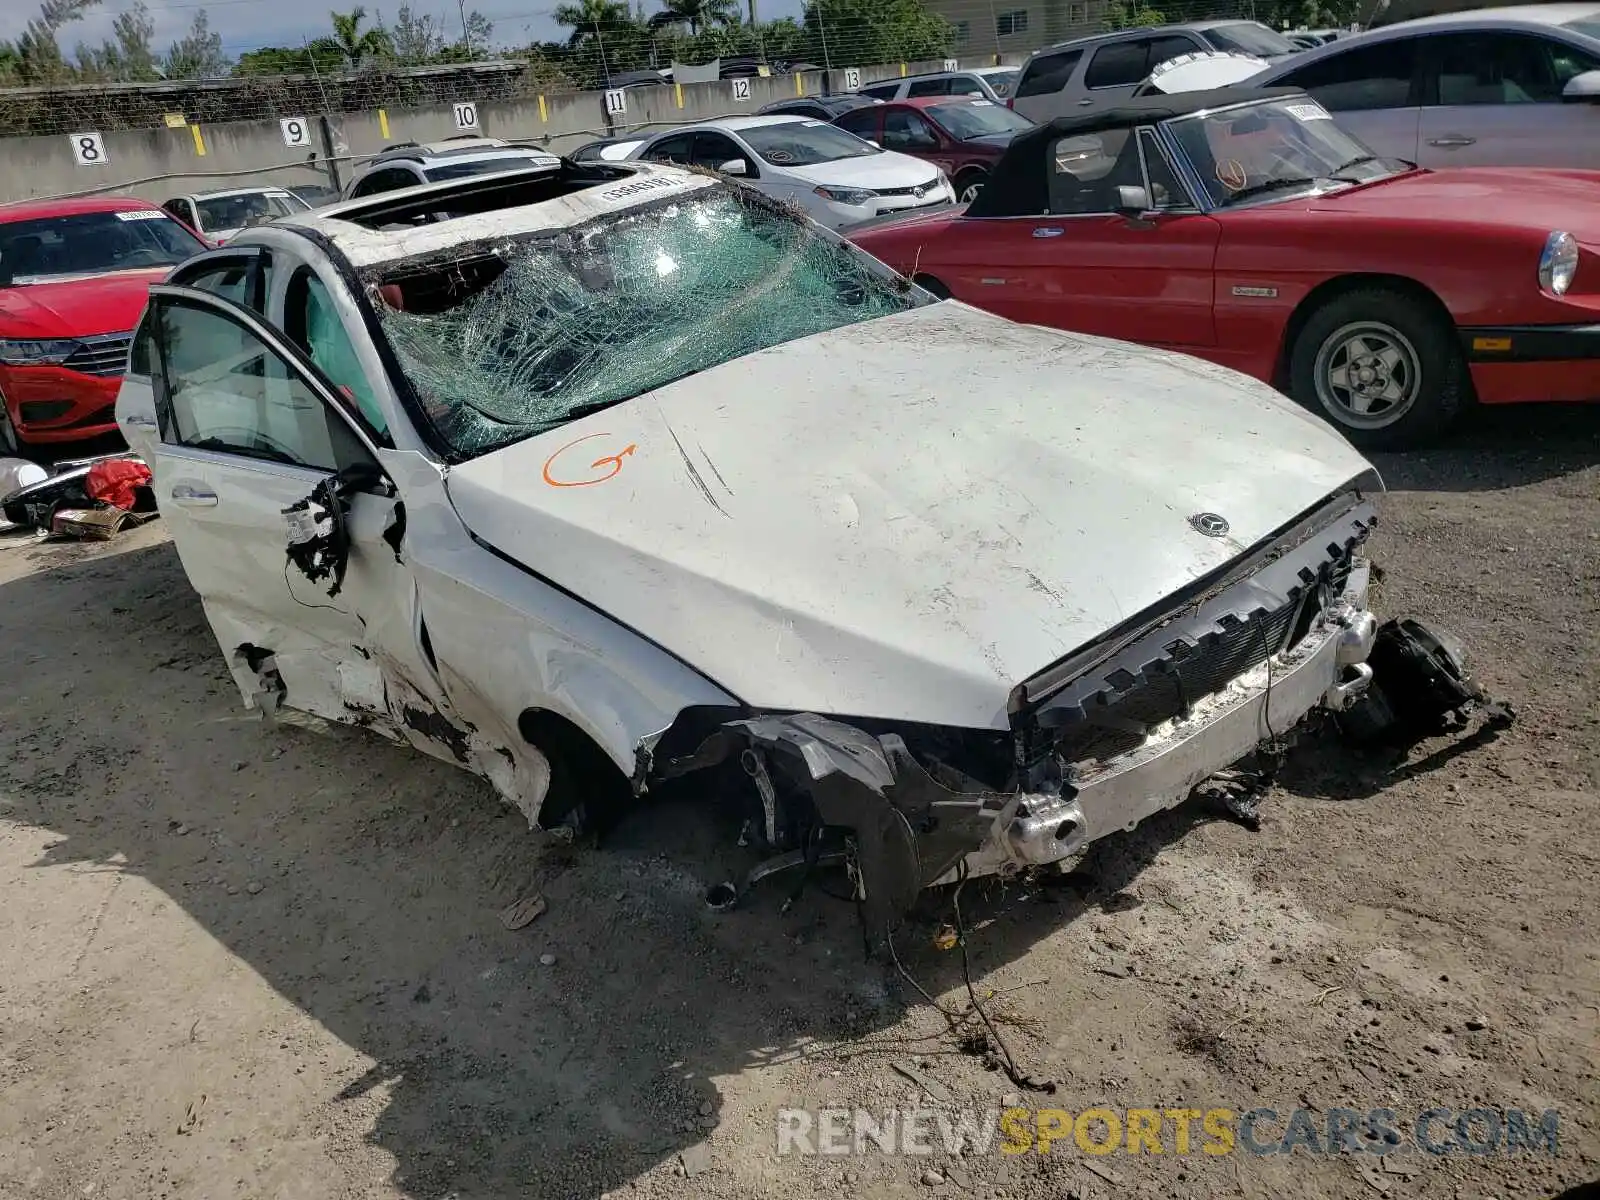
[1121, 729]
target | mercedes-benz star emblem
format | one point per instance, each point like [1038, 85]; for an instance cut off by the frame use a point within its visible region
[1210, 524]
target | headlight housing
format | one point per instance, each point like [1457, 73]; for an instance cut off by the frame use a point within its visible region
[1558, 262]
[32, 352]
[841, 195]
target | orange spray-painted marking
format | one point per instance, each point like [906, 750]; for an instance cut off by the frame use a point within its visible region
[614, 461]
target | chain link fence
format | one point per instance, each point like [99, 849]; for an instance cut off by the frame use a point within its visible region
[971, 32]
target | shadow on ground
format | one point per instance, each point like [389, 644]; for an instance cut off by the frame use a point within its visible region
[1500, 447]
[363, 882]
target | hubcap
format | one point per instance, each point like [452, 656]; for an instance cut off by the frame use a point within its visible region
[970, 192]
[1367, 375]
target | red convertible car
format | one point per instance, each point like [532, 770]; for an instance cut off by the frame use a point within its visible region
[74, 276]
[1247, 228]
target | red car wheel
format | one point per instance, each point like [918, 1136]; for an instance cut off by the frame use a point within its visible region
[1382, 366]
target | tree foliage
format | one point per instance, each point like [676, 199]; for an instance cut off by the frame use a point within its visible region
[356, 44]
[198, 53]
[127, 56]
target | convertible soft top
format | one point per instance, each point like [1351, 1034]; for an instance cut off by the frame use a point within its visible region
[1017, 184]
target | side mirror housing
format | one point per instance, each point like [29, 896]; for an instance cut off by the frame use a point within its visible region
[1132, 201]
[734, 166]
[1583, 88]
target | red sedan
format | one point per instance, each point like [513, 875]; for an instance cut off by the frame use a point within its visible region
[73, 280]
[963, 137]
[1249, 229]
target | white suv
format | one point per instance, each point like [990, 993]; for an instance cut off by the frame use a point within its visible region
[409, 163]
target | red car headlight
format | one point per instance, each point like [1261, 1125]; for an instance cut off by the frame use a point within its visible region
[1558, 262]
[35, 353]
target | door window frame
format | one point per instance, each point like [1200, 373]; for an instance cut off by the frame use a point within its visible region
[259, 259]
[1431, 49]
[1414, 92]
[1143, 41]
[915, 118]
[272, 341]
[713, 161]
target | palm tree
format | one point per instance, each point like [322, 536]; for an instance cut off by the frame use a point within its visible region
[353, 43]
[693, 13]
[592, 16]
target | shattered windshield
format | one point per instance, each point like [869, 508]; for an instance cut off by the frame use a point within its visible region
[508, 341]
[804, 143]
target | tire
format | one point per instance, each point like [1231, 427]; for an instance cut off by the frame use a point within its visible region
[969, 181]
[932, 286]
[1382, 366]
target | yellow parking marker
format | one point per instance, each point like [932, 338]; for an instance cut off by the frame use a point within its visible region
[799, 89]
[199, 142]
[544, 113]
[383, 120]
[902, 70]
[678, 88]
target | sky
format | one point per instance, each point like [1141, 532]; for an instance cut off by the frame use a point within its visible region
[248, 24]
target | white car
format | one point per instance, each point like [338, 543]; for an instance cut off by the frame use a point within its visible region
[407, 164]
[218, 216]
[987, 83]
[607, 475]
[839, 179]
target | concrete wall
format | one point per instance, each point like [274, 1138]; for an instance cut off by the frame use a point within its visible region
[159, 163]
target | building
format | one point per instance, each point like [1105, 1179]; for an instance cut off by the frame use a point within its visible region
[1017, 27]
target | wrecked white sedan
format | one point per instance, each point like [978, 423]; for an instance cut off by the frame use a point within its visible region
[590, 476]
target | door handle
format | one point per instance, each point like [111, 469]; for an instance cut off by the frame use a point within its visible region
[139, 419]
[1085, 102]
[1452, 141]
[193, 495]
[1047, 232]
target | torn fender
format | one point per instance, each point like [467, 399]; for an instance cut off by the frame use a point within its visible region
[911, 829]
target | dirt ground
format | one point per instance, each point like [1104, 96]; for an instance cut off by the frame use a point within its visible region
[239, 960]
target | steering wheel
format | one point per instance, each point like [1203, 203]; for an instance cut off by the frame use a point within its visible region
[1231, 174]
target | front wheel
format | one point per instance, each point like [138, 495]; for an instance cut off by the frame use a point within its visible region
[968, 185]
[1382, 366]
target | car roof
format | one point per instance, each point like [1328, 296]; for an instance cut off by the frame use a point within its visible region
[1527, 17]
[1117, 35]
[30, 210]
[1017, 173]
[734, 124]
[623, 186]
[930, 101]
[942, 75]
[1510, 16]
[241, 191]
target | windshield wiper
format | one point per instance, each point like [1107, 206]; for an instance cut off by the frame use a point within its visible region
[1358, 161]
[1271, 185]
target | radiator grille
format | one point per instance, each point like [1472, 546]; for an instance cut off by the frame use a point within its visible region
[105, 356]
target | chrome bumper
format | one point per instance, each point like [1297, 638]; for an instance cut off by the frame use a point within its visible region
[1327, 669]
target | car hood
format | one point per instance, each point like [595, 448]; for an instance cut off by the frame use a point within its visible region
[886, 170]
[76, 307]
[1508, 197]
[903, 518]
